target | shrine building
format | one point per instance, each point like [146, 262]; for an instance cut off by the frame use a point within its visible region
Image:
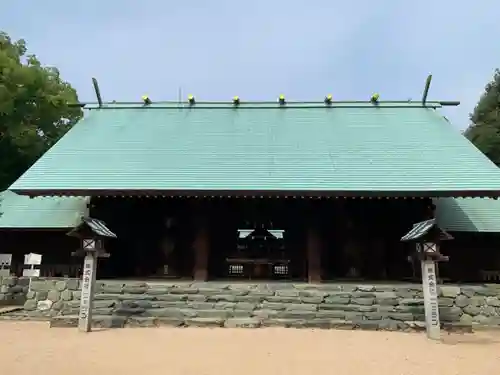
[312, 191]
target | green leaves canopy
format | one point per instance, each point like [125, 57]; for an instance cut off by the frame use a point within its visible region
[34, 111]
[484, 131]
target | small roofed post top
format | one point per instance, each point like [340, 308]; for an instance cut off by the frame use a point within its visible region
[428, 234]
[91, 232]
[91, 228]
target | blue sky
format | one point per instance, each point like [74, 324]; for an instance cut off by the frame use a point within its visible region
[259, 49]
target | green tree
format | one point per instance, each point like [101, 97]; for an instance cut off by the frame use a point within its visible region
[484, 130]
[34, 109]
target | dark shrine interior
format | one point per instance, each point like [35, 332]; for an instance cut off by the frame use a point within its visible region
[360, 238]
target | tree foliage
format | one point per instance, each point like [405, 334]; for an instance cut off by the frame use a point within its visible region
[484, 130]
[34, 110]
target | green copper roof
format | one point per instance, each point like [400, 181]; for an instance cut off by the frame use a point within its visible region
[468, 214]
[343, 149]
[20, 212]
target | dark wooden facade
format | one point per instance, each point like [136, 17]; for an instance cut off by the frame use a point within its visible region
[324, 239]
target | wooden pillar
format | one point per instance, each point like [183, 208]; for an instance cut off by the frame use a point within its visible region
[201, 247]
[313, 255]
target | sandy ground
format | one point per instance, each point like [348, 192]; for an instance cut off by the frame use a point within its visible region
[33, 348]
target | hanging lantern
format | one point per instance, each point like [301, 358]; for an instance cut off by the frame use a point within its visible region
[328, 99]
[236, 100]
[281, 99]
[191, 100]
[375, 97]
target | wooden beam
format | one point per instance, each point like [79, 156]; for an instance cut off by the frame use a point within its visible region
[313, 256]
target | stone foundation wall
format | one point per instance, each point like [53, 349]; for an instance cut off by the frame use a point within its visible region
[391, 307]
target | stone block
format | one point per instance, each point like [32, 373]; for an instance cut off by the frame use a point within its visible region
[449, 291]
[73, 284]
[301, 307]
[493, 301]
[135, 289]
[487, 292]
[313, 293]
[126, 311]
[242, 323]
[412, 302]
[450, 314]
[44, 305]
[318, 323]
[204, 322]
[43, 295]
[248, 298]
[445, 301]
[365, 288]
[112, 288]
[42, 285]
[157, 290]
[124, 297]
[60, 285]
[221, 297]
[57, 306]
[8, 280]
[240, 313]
[141, 322]
[311, 300]
[171, 322]
[260, 293]
[177, 304]
[400, 316]
[472, 310]
[67, 295]
[97, 304]
[4, 289]
[287, 293]
[373, 315]
[207, 291]
[196, 297]
[279, 299]
[54, 295]
[330, 314]
[337, 300]
[362, 295]
[167, 312]
[222, 314]
[299, 314]
[245, 306]
[183, 290]
[273, 306]
[406, 293]
[366, 301]
[462, 300]
[30, 305]
[387, 301]
[105, 321]
[280, 322]
[264, 314]
[477, 301]
[224, 305]
[202, 305]
[171, 297]
[385, 295]
[391, 325]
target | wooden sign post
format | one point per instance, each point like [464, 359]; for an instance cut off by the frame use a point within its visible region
[91, 233]
[88, 285]
[426, 236]
[429, 286]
